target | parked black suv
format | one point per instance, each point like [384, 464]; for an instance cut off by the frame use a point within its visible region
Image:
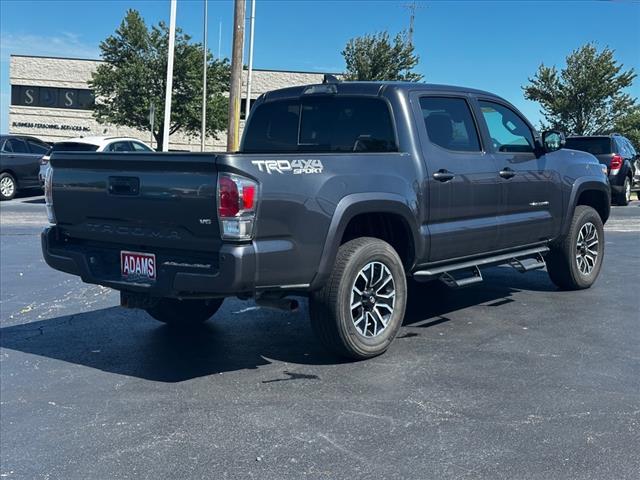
[618, 154]
[19, 163]
[340, 192]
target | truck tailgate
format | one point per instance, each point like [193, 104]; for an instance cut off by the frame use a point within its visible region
[155, 200]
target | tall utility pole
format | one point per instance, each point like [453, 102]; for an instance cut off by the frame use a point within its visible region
[203, 132]
[167, 95]
[220, 41]
[247, 105]
[233, 131]
[412, 7]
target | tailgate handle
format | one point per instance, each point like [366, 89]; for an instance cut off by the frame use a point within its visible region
[124, 185]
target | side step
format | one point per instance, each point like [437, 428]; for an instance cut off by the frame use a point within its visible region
[524, 265]
[475, 276]
[522, 261]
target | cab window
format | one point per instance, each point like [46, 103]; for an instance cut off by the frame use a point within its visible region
[449, 123]
[508, 132]
[321, 124]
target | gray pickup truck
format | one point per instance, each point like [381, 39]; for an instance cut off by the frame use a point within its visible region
[343, 192]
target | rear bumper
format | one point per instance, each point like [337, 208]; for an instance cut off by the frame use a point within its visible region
[229, 272]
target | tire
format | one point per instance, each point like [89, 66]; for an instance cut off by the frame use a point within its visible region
[638, 195]
[184, 313]
[8, 186]
[368, 329]
[624, 198]
[568, 272]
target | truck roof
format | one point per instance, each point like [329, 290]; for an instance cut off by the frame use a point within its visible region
[373, 88]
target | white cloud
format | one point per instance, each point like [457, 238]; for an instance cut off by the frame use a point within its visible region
[63, 44]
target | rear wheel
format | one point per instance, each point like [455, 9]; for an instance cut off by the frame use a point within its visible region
[184, 313]
[359, 311]
[624, 197]
[8, 186]
[575, 263]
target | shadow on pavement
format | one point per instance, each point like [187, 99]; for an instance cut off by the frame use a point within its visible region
[130, 343]
[21, 195]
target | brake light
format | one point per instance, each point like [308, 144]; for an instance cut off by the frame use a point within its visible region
[236, 206]
[48, 196]
[616, 164]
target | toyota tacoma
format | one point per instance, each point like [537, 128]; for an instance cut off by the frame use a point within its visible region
[342, 192]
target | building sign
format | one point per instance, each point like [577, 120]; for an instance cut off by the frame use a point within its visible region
[52, 97]
[51, 126]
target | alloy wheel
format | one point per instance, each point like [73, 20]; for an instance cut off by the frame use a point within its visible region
[7, 187]
[373, 296]
[627, 191]
[587, 247]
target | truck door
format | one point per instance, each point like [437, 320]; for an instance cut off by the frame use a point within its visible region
[531, 195]
[463, 193]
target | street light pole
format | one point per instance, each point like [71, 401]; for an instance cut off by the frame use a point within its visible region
[247, 105]
[236, 76]
[167, 96]
[203, 132]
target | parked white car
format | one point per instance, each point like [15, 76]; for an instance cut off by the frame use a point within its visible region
[92, 144]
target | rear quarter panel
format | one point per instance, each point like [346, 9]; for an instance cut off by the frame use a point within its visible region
[296, 208]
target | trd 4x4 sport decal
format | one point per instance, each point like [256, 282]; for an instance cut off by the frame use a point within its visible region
[298, 167]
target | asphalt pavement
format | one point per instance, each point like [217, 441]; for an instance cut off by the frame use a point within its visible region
[509, 379]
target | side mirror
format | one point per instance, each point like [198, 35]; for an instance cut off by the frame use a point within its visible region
[553, 140]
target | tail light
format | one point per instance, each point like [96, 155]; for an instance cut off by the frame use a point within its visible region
[237, 198]
[48, 196]
[616, 164]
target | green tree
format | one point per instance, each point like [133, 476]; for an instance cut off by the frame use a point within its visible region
[375, 57]
[587, 96]
[629, 126]
[133, 76]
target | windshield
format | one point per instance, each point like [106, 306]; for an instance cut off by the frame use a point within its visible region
[73, 147]
[321, 124]
[593, 145]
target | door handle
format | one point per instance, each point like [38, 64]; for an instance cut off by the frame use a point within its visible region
[443, 175]
[507, 173]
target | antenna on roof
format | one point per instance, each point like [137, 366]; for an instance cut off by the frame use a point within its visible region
[328, 78]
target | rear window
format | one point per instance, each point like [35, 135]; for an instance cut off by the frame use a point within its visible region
[73, 147]
[321, 124]
[593, 145]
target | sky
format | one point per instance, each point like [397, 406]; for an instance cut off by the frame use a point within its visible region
[490, 45]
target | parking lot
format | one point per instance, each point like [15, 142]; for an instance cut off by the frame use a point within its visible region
[509, 379]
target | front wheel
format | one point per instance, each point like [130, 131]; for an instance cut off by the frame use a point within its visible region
[575, 263]
[184, 313]
[359, 311]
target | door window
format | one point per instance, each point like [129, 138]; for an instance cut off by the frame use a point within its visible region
[449, 123]
[139, 147]
[37, 147]
[16, 145]
[508, 132]
[118, 147]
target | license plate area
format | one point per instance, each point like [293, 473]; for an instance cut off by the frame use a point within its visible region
[138, 266]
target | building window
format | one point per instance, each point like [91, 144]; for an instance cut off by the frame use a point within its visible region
[52, 97]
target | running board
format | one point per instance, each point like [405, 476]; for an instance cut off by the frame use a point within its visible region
[524, 265]
[475, 276]
[522, 261]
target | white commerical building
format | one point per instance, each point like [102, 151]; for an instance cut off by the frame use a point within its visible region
[51, 100]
